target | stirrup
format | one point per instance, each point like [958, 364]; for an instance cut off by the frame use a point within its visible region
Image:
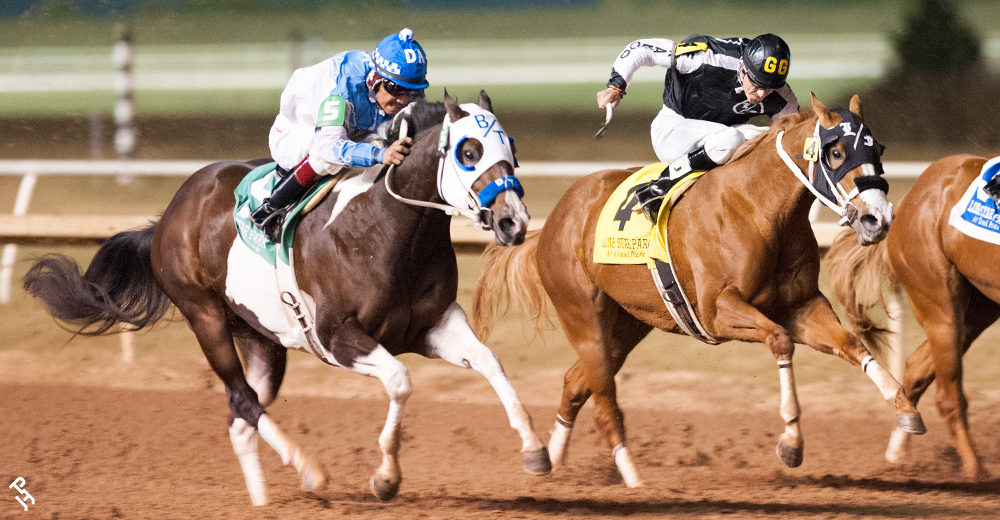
[260, 215]
[273, 223]
[651, 196]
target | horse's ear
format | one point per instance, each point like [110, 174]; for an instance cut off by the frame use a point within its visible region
[823, 113]
[455, 112]
[856, 106]
[484, 101]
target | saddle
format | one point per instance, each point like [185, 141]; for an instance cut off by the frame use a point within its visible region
[625, 236]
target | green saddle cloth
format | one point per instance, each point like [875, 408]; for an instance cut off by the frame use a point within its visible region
[255, 187]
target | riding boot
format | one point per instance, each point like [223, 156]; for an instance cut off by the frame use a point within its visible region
[992, 189]
[651, 196]
[270, 216]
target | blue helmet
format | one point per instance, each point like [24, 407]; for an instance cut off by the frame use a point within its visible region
[401, 60]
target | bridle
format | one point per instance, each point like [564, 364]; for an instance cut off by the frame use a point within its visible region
[829, 192]
[455, 179]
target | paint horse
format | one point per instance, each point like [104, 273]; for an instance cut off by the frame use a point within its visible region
[745, 257]
[373, 262]
[951, 281]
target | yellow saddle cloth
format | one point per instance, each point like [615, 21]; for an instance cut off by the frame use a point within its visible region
[624, 235]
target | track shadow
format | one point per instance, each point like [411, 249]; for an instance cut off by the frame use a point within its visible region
[985, 488]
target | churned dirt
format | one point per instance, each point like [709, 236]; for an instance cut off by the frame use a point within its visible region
[704, 449]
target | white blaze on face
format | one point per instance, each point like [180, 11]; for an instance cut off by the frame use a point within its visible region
[876, 201]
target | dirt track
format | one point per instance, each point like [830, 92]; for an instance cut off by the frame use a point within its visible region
[101, 452]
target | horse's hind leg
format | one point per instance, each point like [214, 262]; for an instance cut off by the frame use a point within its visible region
[265, 369]
[209, 321]
[453, 340]
[918, 377]
[603, 334]
[940, 358]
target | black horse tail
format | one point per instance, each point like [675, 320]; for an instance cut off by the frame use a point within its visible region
[118, 287]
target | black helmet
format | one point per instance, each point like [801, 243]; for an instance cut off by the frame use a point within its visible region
[765, 60]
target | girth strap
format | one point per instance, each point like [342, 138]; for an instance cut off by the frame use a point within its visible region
[677, 302]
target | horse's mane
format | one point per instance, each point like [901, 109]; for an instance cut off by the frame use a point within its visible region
[784, 123]
[421, 115]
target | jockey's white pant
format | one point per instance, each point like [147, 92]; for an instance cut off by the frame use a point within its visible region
[291, 142]
[674, 136]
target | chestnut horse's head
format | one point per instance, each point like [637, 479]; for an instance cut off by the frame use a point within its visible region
[476, 171]
[848, 170]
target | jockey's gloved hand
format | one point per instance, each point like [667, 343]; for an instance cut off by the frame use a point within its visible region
[395, 153]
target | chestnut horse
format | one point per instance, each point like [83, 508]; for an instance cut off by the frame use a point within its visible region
[952, 284]
[746, 257]
[375, 266]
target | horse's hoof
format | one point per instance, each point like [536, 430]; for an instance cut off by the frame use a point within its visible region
[899, 447]
[313, 479]
[791, 456]
[383, 489]
[911, 423]
[537, 462]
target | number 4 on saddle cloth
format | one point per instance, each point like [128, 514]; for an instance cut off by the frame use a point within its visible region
[625, 236]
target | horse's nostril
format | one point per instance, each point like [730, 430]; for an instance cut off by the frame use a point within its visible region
[868, 220]
[506, 225]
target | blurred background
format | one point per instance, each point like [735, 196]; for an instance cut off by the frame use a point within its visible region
[208, 73]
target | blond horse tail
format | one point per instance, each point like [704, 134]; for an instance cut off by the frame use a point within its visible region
[509, 276]
[859, 277]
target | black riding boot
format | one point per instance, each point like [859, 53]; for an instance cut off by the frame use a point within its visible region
[271, 214]
[992, 189]
[651, 196]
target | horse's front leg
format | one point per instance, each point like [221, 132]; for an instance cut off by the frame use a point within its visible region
[737, 319]
[452, 339]
[358, 352]
[816, 325]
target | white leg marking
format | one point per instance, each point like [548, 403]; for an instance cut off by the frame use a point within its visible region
[559, 443]
[244, 439]
[396, 379]
[789, 407]
[289, 451]
[453, 340]
[882, 378]
[626, 467]
[899, 446]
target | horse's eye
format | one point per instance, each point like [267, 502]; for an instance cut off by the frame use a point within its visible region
[470, 151]
[836, 154]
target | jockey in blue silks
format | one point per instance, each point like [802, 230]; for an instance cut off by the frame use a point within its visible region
[328, 112]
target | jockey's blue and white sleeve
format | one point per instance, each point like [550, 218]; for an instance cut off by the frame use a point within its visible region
[645, 52]
[333, 146]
